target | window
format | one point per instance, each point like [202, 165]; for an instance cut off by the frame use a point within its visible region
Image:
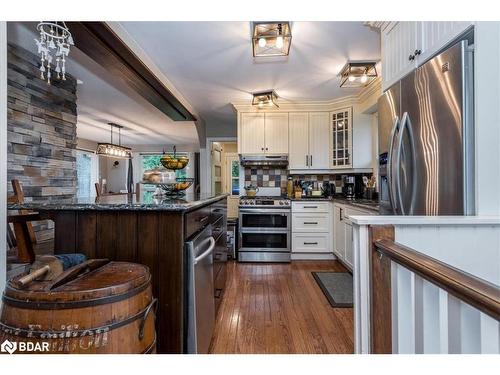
[152, 161]
[86, 171]
[235, 177]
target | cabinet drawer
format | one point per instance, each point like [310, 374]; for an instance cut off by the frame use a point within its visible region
[195, 220]
[304, 222]
[219, 286]
[220, 253]
[307, 243]
[310, 206]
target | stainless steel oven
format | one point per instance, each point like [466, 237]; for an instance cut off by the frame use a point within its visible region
[264, 234]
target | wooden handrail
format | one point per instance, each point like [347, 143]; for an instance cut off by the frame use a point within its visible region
[476, 292]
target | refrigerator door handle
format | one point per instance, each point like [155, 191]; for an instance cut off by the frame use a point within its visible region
[405, 125]
[390, 180]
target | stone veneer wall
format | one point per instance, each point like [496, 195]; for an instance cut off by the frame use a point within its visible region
[41, 137]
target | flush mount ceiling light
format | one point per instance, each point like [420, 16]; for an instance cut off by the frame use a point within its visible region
[265, 99]
[358, 73]
[111, 149]
[271, 39]
[54, 43]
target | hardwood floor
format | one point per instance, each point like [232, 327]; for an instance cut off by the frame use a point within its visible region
[279, 308]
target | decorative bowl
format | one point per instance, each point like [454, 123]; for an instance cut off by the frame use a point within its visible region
[174, 163]
[174, 188]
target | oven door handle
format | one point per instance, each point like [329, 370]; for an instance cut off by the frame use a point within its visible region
[264, 230]
[264, 211]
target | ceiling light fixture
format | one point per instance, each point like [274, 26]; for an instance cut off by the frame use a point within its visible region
[55, 41]
[269, 98]
[271, 39]
[114, 150]
[358, 73]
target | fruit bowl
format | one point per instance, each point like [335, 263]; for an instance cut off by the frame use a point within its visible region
[174, 163]
[174, 188]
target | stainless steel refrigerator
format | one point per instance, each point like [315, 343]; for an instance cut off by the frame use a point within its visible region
[426, 136]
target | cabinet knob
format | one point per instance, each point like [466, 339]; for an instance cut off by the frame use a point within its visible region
[411, 57]
[262, 148]
[417, 52]
[267, 149]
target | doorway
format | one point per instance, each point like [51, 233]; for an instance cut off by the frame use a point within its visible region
[225, 174]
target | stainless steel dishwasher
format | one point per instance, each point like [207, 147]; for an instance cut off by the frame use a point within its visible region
[200, 291]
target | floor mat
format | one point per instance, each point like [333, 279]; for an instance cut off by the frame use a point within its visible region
[336, 286]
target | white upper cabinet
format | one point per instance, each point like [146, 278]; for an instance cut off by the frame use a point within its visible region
[400, 40]
[298, 137]
[276, 133]
[264, 133]
[315, 141]
[438, 34]
[252, 137]
[406, 45]
[309, 140]
[319, 143]
[341, 139]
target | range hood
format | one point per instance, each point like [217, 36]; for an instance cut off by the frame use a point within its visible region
[279, 160]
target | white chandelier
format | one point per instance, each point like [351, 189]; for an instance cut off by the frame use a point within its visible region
[55, 41]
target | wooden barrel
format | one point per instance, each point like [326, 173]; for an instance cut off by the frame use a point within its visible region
[104, 307]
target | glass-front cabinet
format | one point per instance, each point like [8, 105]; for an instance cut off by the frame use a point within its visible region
[341, 138]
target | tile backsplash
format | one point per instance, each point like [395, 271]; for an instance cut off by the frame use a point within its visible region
[266, 177]
[277, 177]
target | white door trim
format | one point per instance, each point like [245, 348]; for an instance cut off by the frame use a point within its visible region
[206, 162]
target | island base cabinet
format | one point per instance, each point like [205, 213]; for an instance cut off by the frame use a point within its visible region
[154, 238]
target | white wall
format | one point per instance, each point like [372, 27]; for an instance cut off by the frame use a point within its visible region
[3, 153]
[362, 136]
[116, 176]
[487, 117]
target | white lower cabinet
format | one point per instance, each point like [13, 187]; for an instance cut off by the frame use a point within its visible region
[348, 259]
[342, 228]
[338, 232]
[311, 243]
[311, 230]
[311, 222]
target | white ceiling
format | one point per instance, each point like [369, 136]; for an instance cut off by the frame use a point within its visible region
[102, 98]
[211, 63]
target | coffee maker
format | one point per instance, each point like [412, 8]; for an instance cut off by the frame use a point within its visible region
[348, 189]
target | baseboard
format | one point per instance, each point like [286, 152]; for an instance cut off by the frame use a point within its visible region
[313, 256]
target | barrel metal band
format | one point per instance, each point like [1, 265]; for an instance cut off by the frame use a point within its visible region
[49, 305]
[151, 347]
[67, 334]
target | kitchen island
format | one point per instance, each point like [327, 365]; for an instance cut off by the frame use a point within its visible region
[143, 229]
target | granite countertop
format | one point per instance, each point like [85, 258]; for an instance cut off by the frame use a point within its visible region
[146, 202]
[360, 203]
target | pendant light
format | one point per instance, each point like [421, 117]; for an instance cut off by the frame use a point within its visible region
[112, 150]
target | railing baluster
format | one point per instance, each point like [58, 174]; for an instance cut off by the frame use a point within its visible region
[431, 318]
[435, 308]
[490, 335]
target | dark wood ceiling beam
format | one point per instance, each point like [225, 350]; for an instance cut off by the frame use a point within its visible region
[104, 46]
